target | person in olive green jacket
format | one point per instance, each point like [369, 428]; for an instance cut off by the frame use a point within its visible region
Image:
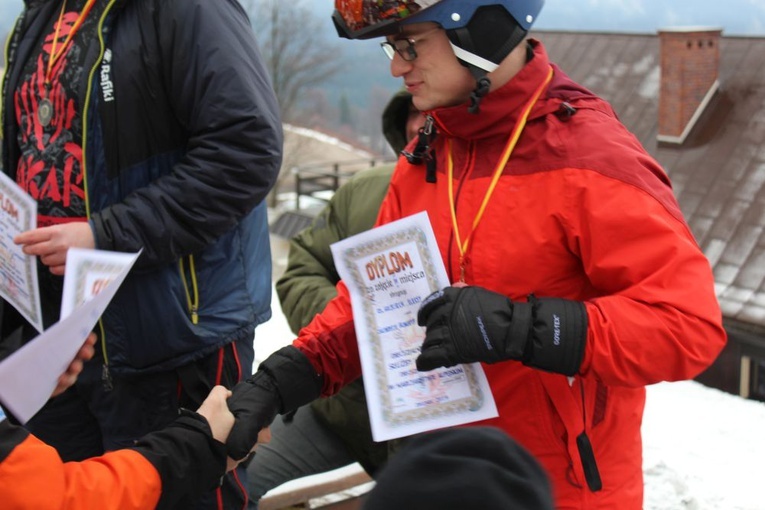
[332, 432]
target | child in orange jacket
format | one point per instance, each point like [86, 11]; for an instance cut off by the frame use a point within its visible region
[187, 456]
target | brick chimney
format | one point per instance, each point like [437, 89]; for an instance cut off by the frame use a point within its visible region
[690, 60]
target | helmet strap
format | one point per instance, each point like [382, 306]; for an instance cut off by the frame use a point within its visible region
[476, 64]
[482, 87]
[483, 44]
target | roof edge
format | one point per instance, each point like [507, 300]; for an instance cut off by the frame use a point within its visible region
[690, 29]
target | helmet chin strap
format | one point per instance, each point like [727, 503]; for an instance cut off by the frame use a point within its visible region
[490, 36]
[482, 87]
[473, 59]
[478, 67]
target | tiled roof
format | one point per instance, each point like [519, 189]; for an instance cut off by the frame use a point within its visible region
[718, 173]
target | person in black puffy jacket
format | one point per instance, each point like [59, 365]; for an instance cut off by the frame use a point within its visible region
[145, 125]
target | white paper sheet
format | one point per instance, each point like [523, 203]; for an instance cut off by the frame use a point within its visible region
[389, 270]
[29, 376]
[18, 271]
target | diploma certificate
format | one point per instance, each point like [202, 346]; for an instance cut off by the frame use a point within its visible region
[18, 271]
[88, 272]
[389, 271]
[29, 375]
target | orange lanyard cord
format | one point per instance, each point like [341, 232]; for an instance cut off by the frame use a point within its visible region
[511, 143]
[78, 22]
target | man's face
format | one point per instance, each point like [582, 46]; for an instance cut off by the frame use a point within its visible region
[435, 78]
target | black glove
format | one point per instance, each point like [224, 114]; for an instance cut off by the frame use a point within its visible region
[468, 324]
[285, 381]
[255, 403]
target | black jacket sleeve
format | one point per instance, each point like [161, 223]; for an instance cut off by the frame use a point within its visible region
[188, 459]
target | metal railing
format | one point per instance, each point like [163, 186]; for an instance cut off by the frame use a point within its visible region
[312, 180]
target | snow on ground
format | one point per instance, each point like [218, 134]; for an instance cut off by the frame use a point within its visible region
[703, 449]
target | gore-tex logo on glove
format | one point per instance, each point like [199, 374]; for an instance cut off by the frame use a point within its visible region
[556, 329]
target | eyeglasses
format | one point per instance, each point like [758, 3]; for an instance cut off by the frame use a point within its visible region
[404, 47]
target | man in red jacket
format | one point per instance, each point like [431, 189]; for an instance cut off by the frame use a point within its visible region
[576, 281]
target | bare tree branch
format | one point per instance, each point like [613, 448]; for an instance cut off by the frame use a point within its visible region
[296, 55]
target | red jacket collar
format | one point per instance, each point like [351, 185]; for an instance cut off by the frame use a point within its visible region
[501, 108]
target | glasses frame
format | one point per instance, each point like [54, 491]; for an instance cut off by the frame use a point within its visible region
[407, 51]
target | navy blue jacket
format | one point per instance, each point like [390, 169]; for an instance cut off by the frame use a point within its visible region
[183, 141]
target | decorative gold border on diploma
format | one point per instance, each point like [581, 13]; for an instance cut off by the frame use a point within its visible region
[431, 411]
[88, 266]
[27, 222]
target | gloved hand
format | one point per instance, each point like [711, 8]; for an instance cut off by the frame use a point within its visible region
[254, 403]
[469, 324]
[285, 381]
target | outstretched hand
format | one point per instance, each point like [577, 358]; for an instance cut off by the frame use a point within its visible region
[215, 410]
[52, 243]
[69, 377]
[255, 403]
[221, 420]
[258, 400]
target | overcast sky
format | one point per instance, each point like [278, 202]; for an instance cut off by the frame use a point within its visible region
[735, 17]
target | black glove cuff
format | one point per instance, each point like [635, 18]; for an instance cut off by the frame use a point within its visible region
[191, 420]
[517, 345]
[296, 380]
[559, 335]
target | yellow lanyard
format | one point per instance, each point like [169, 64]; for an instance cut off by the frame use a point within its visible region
[514, 136]
[55, 56]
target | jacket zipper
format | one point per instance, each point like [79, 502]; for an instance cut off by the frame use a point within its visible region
[192, 294]
[106, 377]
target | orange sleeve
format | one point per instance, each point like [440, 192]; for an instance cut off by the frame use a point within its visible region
[657, 316]
[329, 342]
[33, 476]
